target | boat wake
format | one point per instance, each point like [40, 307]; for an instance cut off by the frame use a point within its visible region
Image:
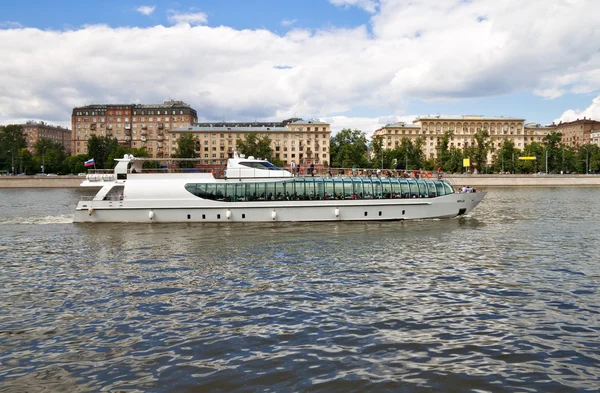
[37, 220]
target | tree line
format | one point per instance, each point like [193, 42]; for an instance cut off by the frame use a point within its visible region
[550, 155]
[348, 149]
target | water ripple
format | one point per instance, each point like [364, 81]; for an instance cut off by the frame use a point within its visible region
[504, 300]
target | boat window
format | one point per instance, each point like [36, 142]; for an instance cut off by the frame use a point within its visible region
[448, 188]
[404, 189]
[348, 188]
[320, 188]
[260, 165]
[386, 188]
[328, 189]
[367, 188]
[338, 188]
[440, 188]
[357, 188]
[414, 189]
[269, 191]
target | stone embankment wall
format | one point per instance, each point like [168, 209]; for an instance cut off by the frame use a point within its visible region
[456, 180]
[40, 181]
[524, 180]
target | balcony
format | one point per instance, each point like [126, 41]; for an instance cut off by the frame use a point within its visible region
[161, 126]
[144, 132]
[128, 126]
[160, 137]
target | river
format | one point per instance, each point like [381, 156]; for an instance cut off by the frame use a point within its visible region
[504, 300]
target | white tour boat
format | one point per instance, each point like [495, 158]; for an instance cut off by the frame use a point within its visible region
[256, 190]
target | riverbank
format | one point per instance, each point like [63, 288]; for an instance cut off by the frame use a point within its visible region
[525, 180]
[40, 181]
[456, 180]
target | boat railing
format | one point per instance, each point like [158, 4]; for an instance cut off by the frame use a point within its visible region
[303, 171]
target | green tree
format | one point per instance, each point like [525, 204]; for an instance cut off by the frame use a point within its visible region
[482, 149]
[416, 155]
[52, 155]
[444, 157]
[552, 146]
[186, 148]
[505, 158]
[348, 149]
[11, 142]
[100, 148]
[587, 158]
[74, 164]
[533, 149]
[258, 147]
[378, 152]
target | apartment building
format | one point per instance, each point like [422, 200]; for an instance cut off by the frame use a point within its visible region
[464, 127]
[595, 137]
[34, 131]
[133, 125]
[296, 140]
[577, 132]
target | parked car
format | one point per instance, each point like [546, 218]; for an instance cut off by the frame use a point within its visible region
[82, 174]
[51, 174]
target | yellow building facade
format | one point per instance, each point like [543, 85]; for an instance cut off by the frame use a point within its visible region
[464, 128]
[303, 142]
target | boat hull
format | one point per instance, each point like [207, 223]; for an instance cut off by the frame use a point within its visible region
[286, 211]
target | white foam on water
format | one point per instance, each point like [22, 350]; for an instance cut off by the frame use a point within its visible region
[38, 220]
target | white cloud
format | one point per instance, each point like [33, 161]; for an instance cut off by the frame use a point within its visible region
[192, 18]
[10, 25]
[367, 5]
[146, 9]
[288, 22]
[366, 124]
[427, 50]
[591, 112]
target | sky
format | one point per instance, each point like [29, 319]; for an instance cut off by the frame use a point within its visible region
[356, 64]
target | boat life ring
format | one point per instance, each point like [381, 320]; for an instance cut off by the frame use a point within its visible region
[428, 174]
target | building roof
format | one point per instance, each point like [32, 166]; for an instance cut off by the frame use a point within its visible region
[220, 128]
[538, 125]
[165, 104]
[310, 121]
[468, 118]
[400, 124]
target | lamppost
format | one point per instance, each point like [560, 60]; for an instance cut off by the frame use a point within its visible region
[43, 162]
[12, 162]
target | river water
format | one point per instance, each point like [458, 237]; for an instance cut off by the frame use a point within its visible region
[504, 300]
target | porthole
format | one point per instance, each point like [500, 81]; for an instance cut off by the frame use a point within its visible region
[243, 215]
[218, 216]
[189, 216]
[204, 216]
[366, 214]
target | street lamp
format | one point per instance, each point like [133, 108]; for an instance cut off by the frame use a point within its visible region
[43, 156]
[12, 162]
[587, 159]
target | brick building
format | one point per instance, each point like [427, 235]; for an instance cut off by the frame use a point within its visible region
[34, 131]
[133, 125]
[578, 132]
